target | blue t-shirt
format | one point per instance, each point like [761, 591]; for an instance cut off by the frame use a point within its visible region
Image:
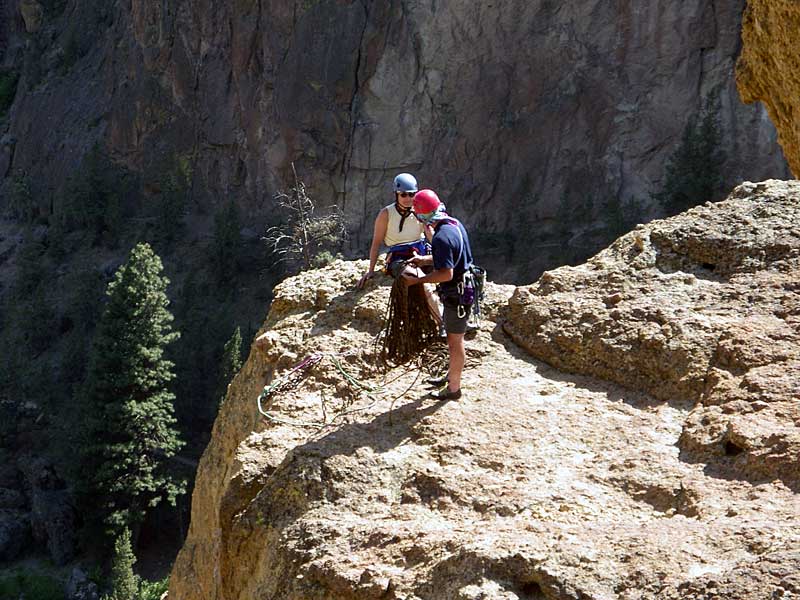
[451, 250]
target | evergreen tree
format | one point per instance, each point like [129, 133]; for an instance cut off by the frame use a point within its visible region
[124, 584]
[129, 424]
[231, 362]
[694, 171]
[227, 243]
[92, 200]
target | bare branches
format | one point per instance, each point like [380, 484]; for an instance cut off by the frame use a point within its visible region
[304, 240]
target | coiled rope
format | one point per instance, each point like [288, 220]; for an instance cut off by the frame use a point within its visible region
[410, 326]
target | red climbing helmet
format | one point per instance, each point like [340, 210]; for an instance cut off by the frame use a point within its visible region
[426, 201]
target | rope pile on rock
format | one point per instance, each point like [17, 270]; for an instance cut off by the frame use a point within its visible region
[410, 325]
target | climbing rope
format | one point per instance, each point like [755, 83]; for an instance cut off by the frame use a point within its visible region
[408, 339]
[410, 325]
[294, 377]
[432, 360]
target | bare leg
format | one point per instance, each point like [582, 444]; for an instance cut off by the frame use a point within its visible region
[433, 303]
[458, 356]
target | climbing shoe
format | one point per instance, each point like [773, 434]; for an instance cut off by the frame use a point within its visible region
[445, 394]
[438, 381]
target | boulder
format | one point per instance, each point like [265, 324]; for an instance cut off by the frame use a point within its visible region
[53, 517]
[769, 56]
[657, 460]
[700, 308]
[54, 523]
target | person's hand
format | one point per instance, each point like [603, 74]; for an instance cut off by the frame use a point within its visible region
[418, 260]
[409, 278]
[364, 277]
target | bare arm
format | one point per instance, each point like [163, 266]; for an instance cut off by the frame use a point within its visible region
[378, 234]
[437, 276]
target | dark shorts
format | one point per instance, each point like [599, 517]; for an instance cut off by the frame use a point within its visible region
[452, 322]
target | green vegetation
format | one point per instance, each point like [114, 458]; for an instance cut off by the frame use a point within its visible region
[694, 171]
[124, 584]
[231, 363]
[31, 586]
[129, 428]
[28, 321]
[54, 8]
[620, 216]
[53, 306]
[71, 52]
[226, 244]
[8, 90]
[92, 201]
[153, 590]
[21, 205]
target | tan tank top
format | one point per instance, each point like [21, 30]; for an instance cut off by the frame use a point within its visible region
[412, 229]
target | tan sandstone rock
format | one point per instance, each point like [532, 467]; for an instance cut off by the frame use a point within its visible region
[709, 313]
[768, 67]
[536, 484]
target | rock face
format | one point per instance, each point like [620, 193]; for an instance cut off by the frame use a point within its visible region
[681, 483]
[533, 119]
[767, 68]
[32, 13]
[15, 533]
[702, 307]
[53, 519]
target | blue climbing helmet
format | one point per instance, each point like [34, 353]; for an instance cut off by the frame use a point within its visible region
[405, 182]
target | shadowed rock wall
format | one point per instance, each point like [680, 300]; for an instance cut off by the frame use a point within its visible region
[530, 118]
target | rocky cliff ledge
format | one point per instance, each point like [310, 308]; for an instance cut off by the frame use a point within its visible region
[768, 67]
[537, 484]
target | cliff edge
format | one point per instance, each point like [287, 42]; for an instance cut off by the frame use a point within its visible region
[663, 466]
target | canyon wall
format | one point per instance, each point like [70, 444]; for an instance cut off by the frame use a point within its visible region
[536, 121]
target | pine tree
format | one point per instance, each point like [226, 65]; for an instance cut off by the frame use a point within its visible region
[227, 243]
[124, 584]
[129, 425]
[231, 362]
[694, 171]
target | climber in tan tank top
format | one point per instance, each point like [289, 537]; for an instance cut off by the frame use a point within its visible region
[396, 228]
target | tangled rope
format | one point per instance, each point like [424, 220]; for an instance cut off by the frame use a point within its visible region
[290, 380]
[410, 325]
[295, 376]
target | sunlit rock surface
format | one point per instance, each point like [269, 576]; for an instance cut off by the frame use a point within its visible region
[680, 483]
[769, 66]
